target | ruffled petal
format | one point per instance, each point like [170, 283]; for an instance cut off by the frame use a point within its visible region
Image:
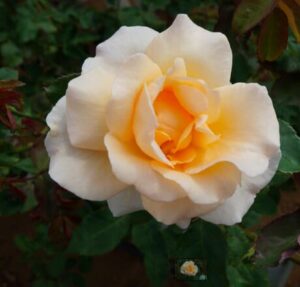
[126, 201]
[132, 167]
[131, 77]
[122, 44]
[179, 211]
[207, 55]
[87, 97]
[86, 173]
[248, 130]
[247, 115]
[235, 207]
[208, 187]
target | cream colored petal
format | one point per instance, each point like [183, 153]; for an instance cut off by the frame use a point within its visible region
[130, 166]
[87, 97]
[191, 99]
[122, 44]
[245, 157]
[183, 223]
[126, 201]
[145, 124]
[247, 115]
[175, 212]
[131, 77]
[259, 182]
[248, 129]
[207, 55]
[85, 173]
[208, 187]
[196, 96]
[235, 207]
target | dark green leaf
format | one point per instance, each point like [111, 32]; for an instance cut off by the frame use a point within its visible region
[290, 148]
[247, 275]
[8, 74]
[273, 36]
[148, 239]
[238, 244]
[98, 233]
[249, 13]
[57, 88]
[203, 241]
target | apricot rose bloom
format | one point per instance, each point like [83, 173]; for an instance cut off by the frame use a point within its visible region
[154, 123]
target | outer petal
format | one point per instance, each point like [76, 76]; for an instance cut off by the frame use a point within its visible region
[208, 187]
[207, 55]
[126, 201]
[175, 212]
[121, 45]
[131, 77]
[235, 207]
[130, 166]
[87, 97]
[248, 129]
[248, 116]
[86, 173]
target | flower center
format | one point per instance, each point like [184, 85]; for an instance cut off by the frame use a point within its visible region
[182, 126]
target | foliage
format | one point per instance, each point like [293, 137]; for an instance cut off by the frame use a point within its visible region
[38, 57]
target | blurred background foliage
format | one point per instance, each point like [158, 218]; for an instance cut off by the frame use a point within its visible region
[51, 238]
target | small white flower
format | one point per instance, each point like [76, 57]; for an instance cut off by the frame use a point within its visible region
[189, 268]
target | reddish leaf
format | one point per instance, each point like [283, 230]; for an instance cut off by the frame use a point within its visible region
[291, 8]
[10, 84]
[11, 119]
[273, 36]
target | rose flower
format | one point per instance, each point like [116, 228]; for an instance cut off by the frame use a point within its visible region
[154, 123]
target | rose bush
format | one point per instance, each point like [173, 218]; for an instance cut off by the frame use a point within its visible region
[154, 123]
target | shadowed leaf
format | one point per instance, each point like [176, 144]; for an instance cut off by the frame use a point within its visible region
[99, 233]
[290, 148]
[292, 10]
[273, 36]
[249, 13]
[148, 239]
[277, 237]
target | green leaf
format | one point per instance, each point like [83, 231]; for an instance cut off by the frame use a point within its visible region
[273, 36]
[8, 74]
[57, 88]
[44, 283]
[238, 244]
[247, 275]
[290, 148]
[12, 55]
[56, 266]
[215, 250]
[130, 16]
[9, 203]
[249, 13]
[148, 239]
[31, 201]
[277, 237]
[98, 233]
[203, 241]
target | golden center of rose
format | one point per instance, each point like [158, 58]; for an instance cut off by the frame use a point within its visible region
[185, 110]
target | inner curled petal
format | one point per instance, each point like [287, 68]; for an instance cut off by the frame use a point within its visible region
[171, 119]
